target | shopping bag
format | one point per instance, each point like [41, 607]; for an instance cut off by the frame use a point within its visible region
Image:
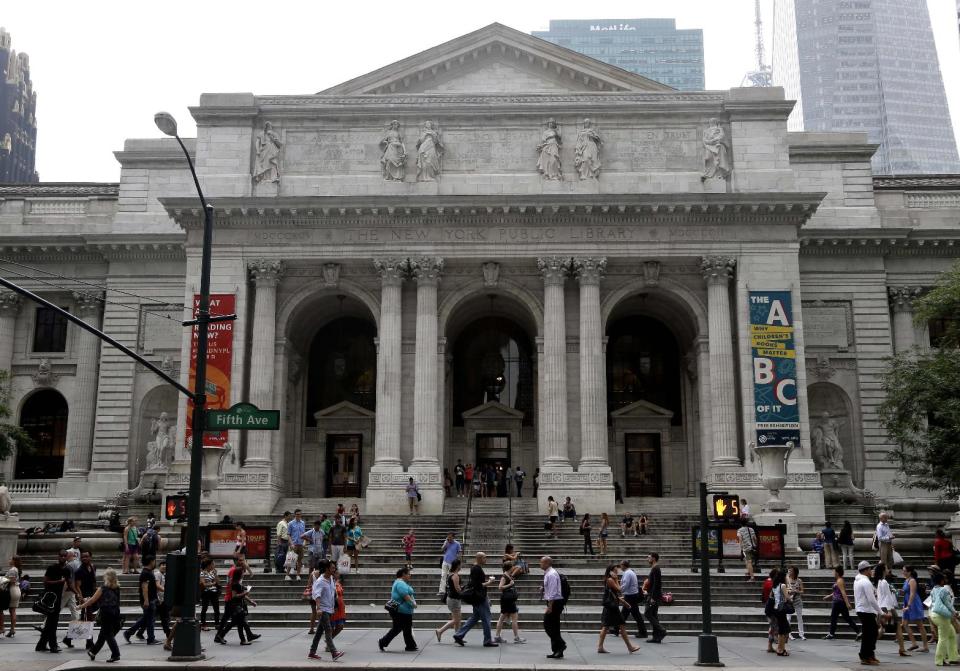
[80, 630]
[365, 541]
[343, 564]
[897, 559]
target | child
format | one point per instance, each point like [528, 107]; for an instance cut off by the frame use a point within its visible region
[408, 542]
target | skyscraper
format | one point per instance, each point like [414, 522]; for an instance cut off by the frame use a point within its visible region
[654, 48]
[18, 121]
[867, 65]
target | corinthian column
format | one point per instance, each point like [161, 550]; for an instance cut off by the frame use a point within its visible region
[84, 407]
[387, 445]
[553, 395]
[265, 275]
[901, 302]
[9, 308]
[593, 388]
[717, 271]
[426, 412]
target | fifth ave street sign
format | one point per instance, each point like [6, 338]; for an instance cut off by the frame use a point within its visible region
[245, 416]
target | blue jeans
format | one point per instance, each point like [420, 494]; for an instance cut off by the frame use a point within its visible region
[481, 613]
[281, 557]
[145, 622]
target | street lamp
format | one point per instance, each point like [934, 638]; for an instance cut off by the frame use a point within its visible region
[186, 642]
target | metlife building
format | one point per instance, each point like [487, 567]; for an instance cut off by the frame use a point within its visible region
[654, 48]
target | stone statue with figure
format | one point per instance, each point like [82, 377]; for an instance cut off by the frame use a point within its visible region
[716, 152]
[827, 449]
[160, 449]
[267, 165]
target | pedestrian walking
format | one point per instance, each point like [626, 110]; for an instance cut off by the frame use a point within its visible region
[283, 542]
[107, 599]
[413, 497]
[883, 540]
[913, 609]
[585, 528]
[147, 593]
[296, 528]
[54, 582]
[942, 615]
[602, 534]
[795, 590]
[944, 556]
[553, 595]
[338, 539]
[840, 604]
[845, 541]
[240, 548]
[654, 595]
[339, 620]
[163, 610]
[10, 595]
[451, 552]
[458, 477]
[409, 541]
[868, 610]
[235, 600]
[324, 593]
[85, 585]
[766, 598]
[131, 545]
[552, 514]
[447, 483]
[747, 536]
[780, 599]
[829, 536]
[481, 605]
[401, 606]
[209, 593]
[611, 618]
[468, 478]
[509, 613]
[890, 608]
[630, 589]
[518, 477]
[452, 597]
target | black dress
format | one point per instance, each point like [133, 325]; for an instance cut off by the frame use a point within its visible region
[508, 599]
[611, 616]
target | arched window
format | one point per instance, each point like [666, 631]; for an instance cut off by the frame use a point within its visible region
[44, 418]
[643, 363]
[343, 366]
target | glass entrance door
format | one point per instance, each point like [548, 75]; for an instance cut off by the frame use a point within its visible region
[643, 464]
[493, 449]
[343, 465]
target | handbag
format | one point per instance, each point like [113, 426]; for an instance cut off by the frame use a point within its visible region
[46, 604]
[80, 629]
[392, 607]
[419, 496]
[365, 541]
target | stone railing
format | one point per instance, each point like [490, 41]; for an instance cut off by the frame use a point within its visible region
[58, 206]
[933, 199]
[32, 489]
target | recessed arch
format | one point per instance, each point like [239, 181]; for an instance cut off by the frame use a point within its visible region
[452, 303]
[688, 322]
[43, 415]
[301, 299]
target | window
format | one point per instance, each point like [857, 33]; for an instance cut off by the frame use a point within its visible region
[50, 331]
[938, 329]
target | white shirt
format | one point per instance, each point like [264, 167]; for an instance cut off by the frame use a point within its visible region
[551, 585]
[864, 598]
[885, 596]
[883, 533]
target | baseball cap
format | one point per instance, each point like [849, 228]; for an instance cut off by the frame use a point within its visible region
[864, 565]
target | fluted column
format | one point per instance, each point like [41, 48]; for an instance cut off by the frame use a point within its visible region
[10, 303]
[593, 387]
[387, 444]
[901, 303]
[265, 275]
[554, 391]
[717, 271]
[426, 412]
[83, 410]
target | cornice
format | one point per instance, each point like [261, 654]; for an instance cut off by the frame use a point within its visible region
[804, 153]
[107, 190]
[96, 250]
[879, 242]
[909, 182]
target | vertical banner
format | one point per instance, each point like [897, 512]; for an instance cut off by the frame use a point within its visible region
[774, 368]
[219, 364]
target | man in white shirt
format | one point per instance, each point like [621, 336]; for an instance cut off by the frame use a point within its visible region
[553, 595]
[630, 587]
[283, 541]
[867, 607]
[324, 592]
[885, 541]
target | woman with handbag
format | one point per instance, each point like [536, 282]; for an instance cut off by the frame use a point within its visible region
[452, 598]
[782, 607]
[508, 602]
[108, 596]
[611, 618]
[401, 605]
[942, 613]
[354, 538]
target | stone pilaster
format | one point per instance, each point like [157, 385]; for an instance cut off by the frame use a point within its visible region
[10, 303]
[553, 394]
[265, 275]
[717, 272]
[84, 408]
[593, 387]
[901, 304]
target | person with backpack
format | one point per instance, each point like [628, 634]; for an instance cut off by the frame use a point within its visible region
[553, 594]
[476, 596]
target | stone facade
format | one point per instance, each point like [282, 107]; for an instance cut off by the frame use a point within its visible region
[568, 269]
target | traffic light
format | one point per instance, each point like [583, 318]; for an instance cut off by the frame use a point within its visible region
[726, 507]
[176, 507]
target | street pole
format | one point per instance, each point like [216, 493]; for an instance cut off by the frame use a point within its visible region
[707, 652]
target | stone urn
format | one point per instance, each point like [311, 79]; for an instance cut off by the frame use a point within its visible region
[773, 472]
[210, 477]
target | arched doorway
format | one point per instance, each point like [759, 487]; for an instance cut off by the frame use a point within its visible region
[44, 418]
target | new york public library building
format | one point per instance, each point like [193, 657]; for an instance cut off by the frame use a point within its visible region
[495, 251]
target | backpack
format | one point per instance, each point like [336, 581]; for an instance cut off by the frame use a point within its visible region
[564, 588]
[149, 544]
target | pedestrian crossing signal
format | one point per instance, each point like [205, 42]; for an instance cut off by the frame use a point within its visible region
[176, 507]
[726, 507]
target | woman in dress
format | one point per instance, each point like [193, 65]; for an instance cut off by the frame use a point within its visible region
[209, 593]
[403, 594]
[585, 530]
[10, 599]
[354, 535]
[453, 600]
[131, 545]
[267, 165]
[913, 609]
[549, 149]
[840, 604]
[308, 597]
[603, 533]
[394, 156]
[241, 546]
[108, 596]
[845, 541]
[942, 614]
[887, 598]
[586, 157]
[508, 603]
[429, 154]
[611, 619]
[781, 597]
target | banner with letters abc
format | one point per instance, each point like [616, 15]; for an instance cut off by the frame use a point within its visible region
[774, 368]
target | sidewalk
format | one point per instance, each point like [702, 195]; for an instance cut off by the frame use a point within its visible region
[287, 649]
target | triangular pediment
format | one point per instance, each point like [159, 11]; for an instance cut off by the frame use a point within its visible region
[344, 410]
[642, 409]
[492, 410]
[496, 59]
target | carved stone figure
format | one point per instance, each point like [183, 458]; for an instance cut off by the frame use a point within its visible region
[716, 153]
[549, 150]
[44, 375]
[160, 449]
[586, 158]
[227, 453]
[393, 160]
[266, 168]
[429, 153]
[5, 502]
[827, 449]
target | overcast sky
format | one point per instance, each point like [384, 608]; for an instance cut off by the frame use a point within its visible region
[102, 68]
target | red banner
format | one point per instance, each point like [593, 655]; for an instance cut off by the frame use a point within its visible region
[219, 364]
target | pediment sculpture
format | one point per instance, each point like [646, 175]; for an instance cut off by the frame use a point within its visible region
[716, 152]
[393, 160]
[586, 158]
[548, 163]
[266, 167]
[429, 153]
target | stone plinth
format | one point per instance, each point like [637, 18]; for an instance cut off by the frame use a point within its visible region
[791, 538]
[386, 492]
[9, 530]
[591, 492]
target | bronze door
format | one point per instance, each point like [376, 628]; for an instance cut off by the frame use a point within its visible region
[343, 465]
[643, 464]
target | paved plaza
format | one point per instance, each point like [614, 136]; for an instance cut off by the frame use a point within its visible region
[287, 648]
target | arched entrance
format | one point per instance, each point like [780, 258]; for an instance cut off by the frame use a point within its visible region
[44, 418]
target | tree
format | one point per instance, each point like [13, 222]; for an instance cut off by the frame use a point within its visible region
[921, 412]
[11, 435]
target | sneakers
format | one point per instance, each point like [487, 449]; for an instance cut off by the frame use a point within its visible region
[458, 640]
[298, 577]
[498, 639]
[92, 656]
[313, 655]
[287, 578]
[338, 654]
[518, 639]
[793, 637]
[829, 637]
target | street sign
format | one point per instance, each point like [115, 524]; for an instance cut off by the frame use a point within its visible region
[244, 416]
[726, 507]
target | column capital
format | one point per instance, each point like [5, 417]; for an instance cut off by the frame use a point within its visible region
[554, 269]
[589, 269]
[426, 269]
[392, 270]
[901, 298]
[717, 269]
[87, 304]
[10, 303]
[265, 272]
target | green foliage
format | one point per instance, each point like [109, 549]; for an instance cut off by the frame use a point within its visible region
[11, 435]
[942, 302]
